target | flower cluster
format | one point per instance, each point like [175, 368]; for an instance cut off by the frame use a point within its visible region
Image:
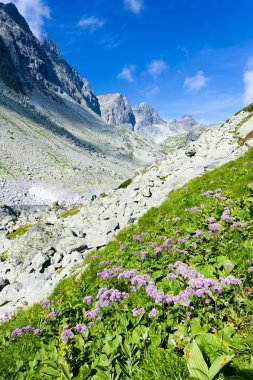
[24, 330]
[238, 225]
[87, 300]
[46, 302]
[105, 297]
[225, 217]
[66, 334]
[107, 273]
[53, 314]
[138, 238]
[196, 285]
[136, 312]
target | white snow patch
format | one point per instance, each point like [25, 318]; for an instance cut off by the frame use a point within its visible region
[42, 195]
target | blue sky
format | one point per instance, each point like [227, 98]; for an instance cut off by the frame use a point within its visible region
[180, 56]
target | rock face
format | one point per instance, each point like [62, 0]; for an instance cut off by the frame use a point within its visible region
[146, 115]
[70, 81]
[143, 119]
[116, 110]
[26, 62]
[54, 246]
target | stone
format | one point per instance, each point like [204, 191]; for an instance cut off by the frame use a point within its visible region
[3, 282]
[190, 152]
[39, 261]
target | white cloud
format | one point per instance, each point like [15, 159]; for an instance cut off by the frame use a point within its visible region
[196, 82]
[151, 91]
[91, 23]
[127, 73]
[248, 83]
[157, 67]
[35, 12]
[134, 5]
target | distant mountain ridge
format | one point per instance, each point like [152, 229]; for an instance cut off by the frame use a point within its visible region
[143, 118]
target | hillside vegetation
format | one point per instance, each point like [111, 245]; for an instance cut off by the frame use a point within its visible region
[169, 298]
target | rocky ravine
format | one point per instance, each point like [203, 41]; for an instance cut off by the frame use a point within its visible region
[54, 246]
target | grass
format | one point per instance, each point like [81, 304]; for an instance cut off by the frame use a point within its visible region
[125, 184]
[121, 346]
[243, 140]
[68, 213]
[19, 232]
[6, 170]
[9, 121]
[248, 108]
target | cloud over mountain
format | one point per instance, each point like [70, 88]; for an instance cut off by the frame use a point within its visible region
[35, 12]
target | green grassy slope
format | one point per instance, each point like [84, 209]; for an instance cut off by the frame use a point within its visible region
[188, 282]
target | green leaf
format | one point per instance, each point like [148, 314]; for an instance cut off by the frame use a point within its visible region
[49, 371]
[218, 364]
[195, 362]
[84, 372]
[66, 374]
[196, 328]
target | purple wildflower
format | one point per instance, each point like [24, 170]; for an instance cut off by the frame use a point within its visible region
[87, 300]
[140, 280]
[138, 238]
[238, 225]
[80, 329]
[158, 250]
[144, 254]
[66, 334]
[137, 312]
[105, 274]
[92, 313]
[46, 302]
[37, 331]
[171, 276]
[53, 314]
[128, 273]
[152, 313]
[16, 333]
[211, 220]
[214, 228]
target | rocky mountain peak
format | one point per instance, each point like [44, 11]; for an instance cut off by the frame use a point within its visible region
[27, 63]
[51, 47]
[116, 110]
[11, 10]
[146, 115]
[188, 120]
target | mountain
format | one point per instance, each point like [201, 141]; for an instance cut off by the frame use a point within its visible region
[143, 119]
[116, 110]
[54, 146]
[146, 115]
[25, 61]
